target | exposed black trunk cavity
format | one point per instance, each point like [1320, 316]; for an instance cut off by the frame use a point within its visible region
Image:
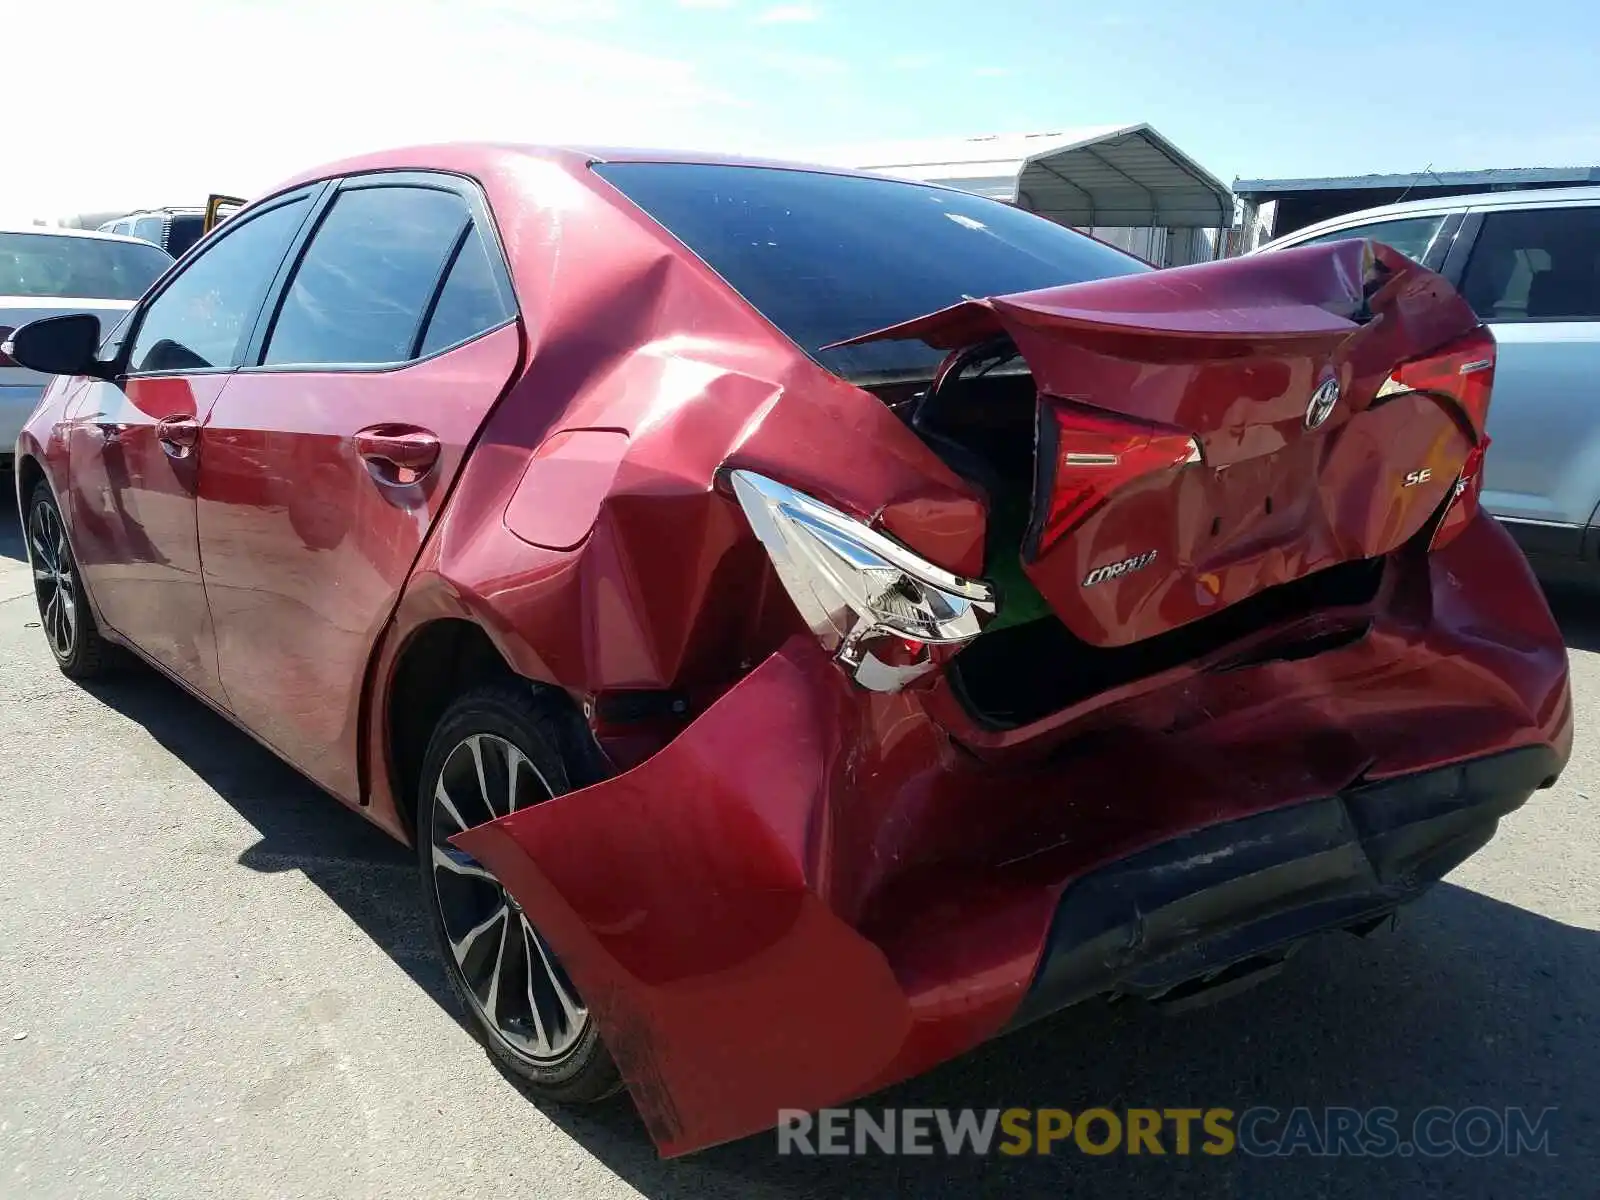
[1011, 677]
[979, 416]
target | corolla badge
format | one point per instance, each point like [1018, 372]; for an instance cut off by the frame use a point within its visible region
[1118, 569]
[1322, 402]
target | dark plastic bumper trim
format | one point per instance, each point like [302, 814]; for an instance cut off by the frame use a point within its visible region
[1192, 907]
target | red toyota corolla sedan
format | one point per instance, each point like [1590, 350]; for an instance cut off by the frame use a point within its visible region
[808, 623]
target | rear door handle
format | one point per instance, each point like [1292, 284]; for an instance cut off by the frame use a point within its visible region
[178, 435]
[397, 453]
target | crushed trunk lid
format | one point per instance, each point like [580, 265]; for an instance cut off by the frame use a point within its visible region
[1207, 432]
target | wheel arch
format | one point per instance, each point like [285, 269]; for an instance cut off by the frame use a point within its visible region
[30, 474]
[437, 661]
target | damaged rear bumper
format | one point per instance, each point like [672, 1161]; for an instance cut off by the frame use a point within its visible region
[1217, 906]
[815, 891]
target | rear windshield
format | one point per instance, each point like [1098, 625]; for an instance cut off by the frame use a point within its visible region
[60, 265]
[827, 257]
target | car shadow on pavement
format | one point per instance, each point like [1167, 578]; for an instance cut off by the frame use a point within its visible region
[1467, 1002]
[366, 873]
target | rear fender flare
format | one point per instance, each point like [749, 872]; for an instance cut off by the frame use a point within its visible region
[428, 597]
[695, 903]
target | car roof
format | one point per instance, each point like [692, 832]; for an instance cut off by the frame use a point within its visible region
[1516, 199]
[475, 157]
[64, 231]
[714, 158]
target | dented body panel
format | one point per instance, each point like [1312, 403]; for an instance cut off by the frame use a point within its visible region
[792, 890]
[813, 892]
[1276, 376]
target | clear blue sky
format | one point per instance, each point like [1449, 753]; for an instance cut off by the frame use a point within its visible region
[1299, 87]
[262, 88]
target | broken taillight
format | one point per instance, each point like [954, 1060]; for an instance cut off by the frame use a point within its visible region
[1084, 456]
[1461, 374]
[889, 615]
[1462, 504]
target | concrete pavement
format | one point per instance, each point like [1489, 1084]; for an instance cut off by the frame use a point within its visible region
[215, 982]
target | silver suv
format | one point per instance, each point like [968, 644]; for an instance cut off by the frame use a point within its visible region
[173, 229]
[1529, 263]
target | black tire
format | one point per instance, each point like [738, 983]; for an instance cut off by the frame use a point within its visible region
[509, 712]
[75, 641]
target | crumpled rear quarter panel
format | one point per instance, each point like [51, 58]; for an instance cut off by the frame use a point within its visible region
[650, 578]
[696, 899]
[814, 891]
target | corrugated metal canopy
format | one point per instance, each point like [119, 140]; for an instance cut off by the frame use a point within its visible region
[1106, 175]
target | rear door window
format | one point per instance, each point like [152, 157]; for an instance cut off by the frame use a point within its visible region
[1536, 264]
[1412, 236]
[361, 291]
[472, 301]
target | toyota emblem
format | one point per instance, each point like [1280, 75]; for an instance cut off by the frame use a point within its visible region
[1322, 402]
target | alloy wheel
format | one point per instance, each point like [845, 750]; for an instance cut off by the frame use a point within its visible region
[53, 582]
[513, 977]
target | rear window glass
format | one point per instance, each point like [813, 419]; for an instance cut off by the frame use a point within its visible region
[60, 265]
[826, 257]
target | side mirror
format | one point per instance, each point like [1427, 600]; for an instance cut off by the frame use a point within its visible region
[64, 345]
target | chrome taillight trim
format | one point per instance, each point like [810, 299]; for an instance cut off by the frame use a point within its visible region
[852, 583]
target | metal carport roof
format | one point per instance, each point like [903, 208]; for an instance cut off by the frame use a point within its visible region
[1100, 176]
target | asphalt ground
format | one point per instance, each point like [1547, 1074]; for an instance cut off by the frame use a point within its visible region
[215, 982]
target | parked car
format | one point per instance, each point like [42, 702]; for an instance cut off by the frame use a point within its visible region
[1529, 264]
[174, 229]
[771, 720]
[46, 270]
